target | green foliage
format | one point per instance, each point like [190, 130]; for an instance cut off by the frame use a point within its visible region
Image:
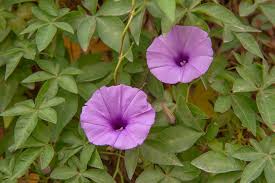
[55, 54]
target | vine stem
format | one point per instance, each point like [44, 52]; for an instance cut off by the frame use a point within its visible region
[117, 165]
[121, 55]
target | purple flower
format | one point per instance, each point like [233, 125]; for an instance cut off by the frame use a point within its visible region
[182, 55]
[119, 116]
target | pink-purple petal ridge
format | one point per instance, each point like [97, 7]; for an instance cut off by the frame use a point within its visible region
[119, 116]
[182, 55]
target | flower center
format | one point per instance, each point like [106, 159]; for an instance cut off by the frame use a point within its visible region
[119, 124]
[182, 63]
[182, 59]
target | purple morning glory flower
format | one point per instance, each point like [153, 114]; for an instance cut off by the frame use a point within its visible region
[119, 116]
[184, 54]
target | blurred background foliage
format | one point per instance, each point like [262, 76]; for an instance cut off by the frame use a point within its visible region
[55, 54]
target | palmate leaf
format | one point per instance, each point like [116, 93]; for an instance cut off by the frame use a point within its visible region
[249, 43]
[214, 162]
[23, 161]
[153, 151]
[44, 36]
[265, 102]
[168, 7]
[178, 138]
[85, 31]
[114, 8]
[63, 173]
[98, 176]
[23, 129]
[244, 111]
[12, 63]
[253, 170]
[46, 156]
[153, 175]
[112, 36]
[131, 160]
[224, 15]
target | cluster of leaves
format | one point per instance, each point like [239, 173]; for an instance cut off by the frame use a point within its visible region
[218, 128]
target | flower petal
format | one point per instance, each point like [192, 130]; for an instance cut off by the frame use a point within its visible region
[125, 141]
[138, 131]
[155, 60]
[190, 73]
[201, 63]
[168, 74]
[99, 135]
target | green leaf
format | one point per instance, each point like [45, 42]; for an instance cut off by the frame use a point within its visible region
[222, 104]
[7, 92]
[44, 36]
[64, 26]
[65, 111]
[244, 111]
[266, 105]
[124, 78]
[155, 87]
[131, 160]
[246, 8]
[48, 6]
[110, 31]
[253, 170]
[230, 177]
[185, 115]
[38, 13]
[168, 7]
[85, 90]
[52, 102]
[86, 155]
[12, 63]
[186, 173]
[85, 31]
[152, 175]
[63, 173]
[212, 130]
[95, 160]
[33, 27]
[46, 156]
[114, 8]
[136, 26]
[23, 161]
[252, 73]
[153, 151]
[268, 10]
[68, 83]
[269, 171]
[98, 176]
[48, 66]
[70, 71]
[91, 5]
[48, 90]
[178, 138]
[23, 129]
[250, 44]
[133, 67]
[94, 72]
[194, 20]
[224, 15]
[241, 85]
[248, 154]
[214, 162]
[48, 114]
[269, 79]
[38, 76]
[17, 110]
